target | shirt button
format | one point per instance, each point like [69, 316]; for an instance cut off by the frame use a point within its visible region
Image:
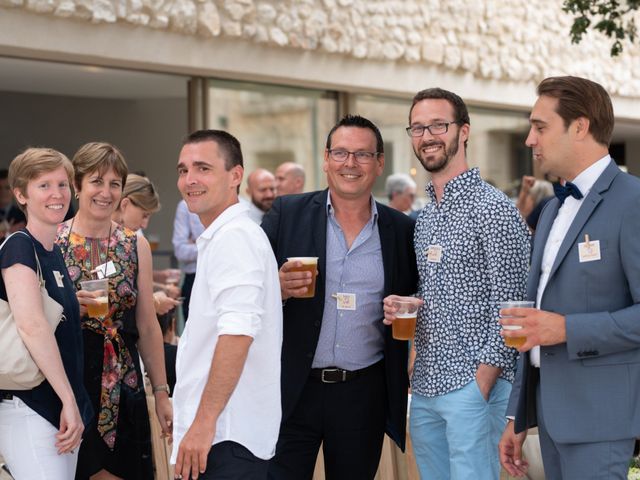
[309, 355]
[317, 323]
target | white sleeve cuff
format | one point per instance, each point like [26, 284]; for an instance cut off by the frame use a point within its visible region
[235, 323]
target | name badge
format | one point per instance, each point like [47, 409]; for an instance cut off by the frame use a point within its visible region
[59, 278]
[589, 250]
[434, 253]
[346, 301]
[105, 270]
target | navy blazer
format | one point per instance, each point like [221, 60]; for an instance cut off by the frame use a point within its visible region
[590, 385]
[297, 227]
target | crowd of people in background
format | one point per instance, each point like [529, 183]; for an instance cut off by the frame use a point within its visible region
[276, 361]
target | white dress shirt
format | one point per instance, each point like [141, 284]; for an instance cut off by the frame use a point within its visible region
[236, 292]
[566, 214]
[187, 227]
[255, 213]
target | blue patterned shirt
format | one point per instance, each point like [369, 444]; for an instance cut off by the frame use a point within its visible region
[484, 259]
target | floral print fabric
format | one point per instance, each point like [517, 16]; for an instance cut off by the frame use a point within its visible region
[483, 259]
[82, 255]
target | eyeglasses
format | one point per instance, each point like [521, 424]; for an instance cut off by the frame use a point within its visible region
[340, 155]
[439, 128]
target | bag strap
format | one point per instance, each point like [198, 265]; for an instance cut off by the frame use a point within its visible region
[40, 276]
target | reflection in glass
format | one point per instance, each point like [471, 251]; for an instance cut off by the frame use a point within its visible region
[275, 124]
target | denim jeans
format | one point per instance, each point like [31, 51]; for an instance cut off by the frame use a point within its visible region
[455, 436]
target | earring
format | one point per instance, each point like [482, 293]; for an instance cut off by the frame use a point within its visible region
[77, 196]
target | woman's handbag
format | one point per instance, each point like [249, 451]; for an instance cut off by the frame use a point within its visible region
[18, 371]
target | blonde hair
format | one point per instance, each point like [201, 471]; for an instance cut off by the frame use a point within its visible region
[141, 192]
[34, 162]
[98, 156]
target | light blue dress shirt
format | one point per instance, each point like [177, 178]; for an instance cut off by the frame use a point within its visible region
[352, 339]
[187, 227]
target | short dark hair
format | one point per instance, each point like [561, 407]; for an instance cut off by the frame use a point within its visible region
[358, 122]
[228, 144]
[459, 107]
[579, 97]
[460, 111]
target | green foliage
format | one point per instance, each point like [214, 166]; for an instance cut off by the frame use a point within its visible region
[614, 18]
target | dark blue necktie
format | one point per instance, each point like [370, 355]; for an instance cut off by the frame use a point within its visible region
[568, 189]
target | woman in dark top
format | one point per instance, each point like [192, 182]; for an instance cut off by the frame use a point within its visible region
[41, 428]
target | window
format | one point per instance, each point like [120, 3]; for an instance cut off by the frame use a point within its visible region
[275, 124]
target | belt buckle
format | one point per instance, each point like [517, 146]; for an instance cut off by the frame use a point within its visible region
[331, 370]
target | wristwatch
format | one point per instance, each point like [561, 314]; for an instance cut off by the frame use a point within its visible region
[162, 388]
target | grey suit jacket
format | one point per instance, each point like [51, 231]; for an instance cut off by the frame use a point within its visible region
[590, 385]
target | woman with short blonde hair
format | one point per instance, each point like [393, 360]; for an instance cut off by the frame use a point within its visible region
[41, 428]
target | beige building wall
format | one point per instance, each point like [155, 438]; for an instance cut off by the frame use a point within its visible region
[491, 53]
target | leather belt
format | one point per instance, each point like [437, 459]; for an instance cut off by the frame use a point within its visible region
[6, 396]
[339, 375]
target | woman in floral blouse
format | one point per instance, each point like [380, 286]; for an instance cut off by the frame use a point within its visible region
[117, 445]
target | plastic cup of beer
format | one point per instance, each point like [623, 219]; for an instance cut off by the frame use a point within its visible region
[404, 325]
[100, 310]
[514, 342]
[173, 276]
[309, 264]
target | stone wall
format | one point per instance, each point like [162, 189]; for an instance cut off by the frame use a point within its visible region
[517, 41]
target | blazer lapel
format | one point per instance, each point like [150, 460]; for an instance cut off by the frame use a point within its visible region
[388, 246]
[319, 233]
[539, 240]
[586, 210]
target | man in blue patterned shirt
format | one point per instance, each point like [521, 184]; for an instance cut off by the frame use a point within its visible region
[472, 250]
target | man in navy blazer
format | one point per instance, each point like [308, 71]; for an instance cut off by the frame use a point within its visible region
[579, 380]
[344, 379]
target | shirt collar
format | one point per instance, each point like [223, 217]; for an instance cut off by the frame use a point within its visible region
[374, 208]
[587, 178]
[457, 184]
[234, 211]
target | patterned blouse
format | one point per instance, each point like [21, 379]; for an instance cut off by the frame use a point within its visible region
[82, 255]
[480, 256]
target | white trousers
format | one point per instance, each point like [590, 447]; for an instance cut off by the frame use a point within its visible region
[27, 443]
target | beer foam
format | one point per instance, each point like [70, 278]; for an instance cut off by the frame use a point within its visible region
[304, 260]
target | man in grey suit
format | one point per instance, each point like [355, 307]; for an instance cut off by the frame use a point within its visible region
[579, 379]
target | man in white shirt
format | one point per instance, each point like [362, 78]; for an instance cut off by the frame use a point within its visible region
[579, 376]
[261, 188]
[227, 397]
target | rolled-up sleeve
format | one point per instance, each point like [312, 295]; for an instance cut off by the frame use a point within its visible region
[235, 281]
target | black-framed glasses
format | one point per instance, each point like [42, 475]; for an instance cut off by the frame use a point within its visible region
[340, 155]
[438, 128]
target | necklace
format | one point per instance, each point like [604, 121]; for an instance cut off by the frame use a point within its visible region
[96, 264]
